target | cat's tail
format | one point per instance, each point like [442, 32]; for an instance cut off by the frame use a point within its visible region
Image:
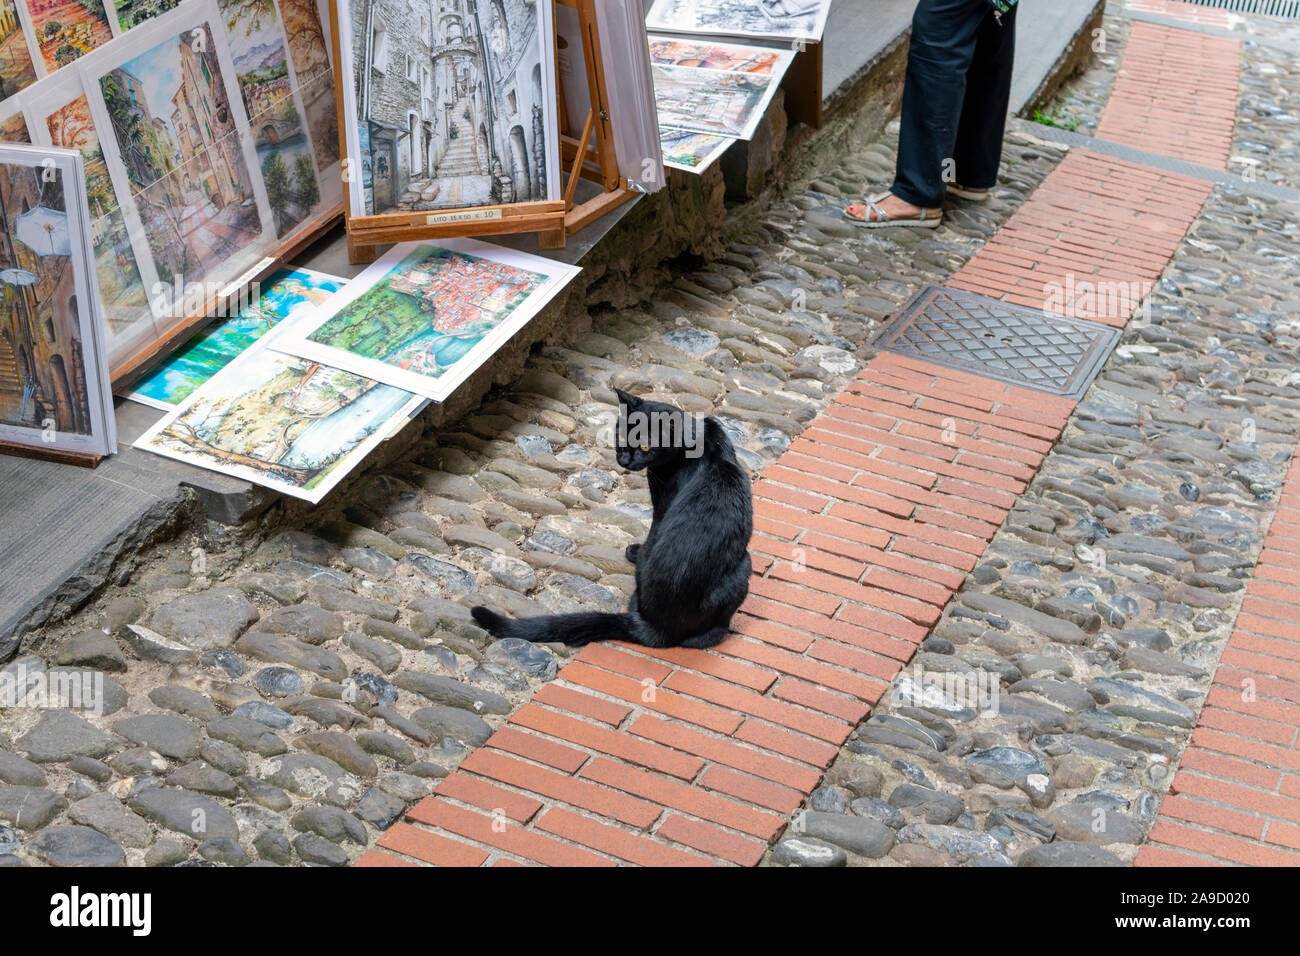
[572, 629]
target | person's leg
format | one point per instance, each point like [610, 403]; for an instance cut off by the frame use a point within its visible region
[945, 34]
[978, 150]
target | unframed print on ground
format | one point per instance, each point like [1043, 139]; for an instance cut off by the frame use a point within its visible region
[285, 296]
[426, 315]
[282, 421]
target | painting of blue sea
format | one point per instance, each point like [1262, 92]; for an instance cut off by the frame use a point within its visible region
[284, 295]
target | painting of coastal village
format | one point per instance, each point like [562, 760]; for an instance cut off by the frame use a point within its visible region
[175, 132]
[283, 149]
[53, 382]
[68, 29]
[16, 67]
[284, 296]
[281, 421]
[121, 288]
[425, 316]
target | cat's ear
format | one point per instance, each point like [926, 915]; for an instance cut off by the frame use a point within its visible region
[628, 399]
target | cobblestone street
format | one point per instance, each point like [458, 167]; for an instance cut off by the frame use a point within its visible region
[1116, 572]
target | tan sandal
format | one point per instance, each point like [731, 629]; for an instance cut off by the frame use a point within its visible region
[965, 192]
[874, 217]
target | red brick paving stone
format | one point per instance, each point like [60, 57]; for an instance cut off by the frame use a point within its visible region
[788, 742]
[762, 793]
[479, 793]
[836, 705]
[1089, 195]
[616, 842]
[430, 847]
[374, 858]
[614, 657]
[537, 748]
[587, 705]
[652, 698]
[713, 840]
[607, 741]
[714, 665]
[685, 797]
[719, 750]
[800, 666]
[523, 842]
[766, 708]
[560, 786]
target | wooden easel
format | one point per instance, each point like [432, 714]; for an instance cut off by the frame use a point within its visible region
[552, 220]
[596, 161]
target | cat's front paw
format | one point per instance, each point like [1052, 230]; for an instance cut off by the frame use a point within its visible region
[632, 553]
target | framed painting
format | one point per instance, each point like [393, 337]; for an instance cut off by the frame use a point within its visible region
[426, 315]
[17, 67]
[166, 100]
[60, 115]
[54, 390]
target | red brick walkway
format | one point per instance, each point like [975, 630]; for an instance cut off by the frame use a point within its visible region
[864, 529]
[1090, 241]
[1176, 95]
[1236, 795]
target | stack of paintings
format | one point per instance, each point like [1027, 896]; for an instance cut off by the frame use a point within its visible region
[340, 371]
[208, 134]
[709, 94]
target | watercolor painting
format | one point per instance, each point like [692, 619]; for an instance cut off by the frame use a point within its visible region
[693, 152]
[761, 19]
[281, 421]
[453, 105]
[121, 288]
[16, 67]
[285, 295]
[132, 13]
[425, 316]
[733, 58]
[721, 89]
[309, 52]
[13, 129]
[283, 150]
[175, 132]
[68, 29]
[53, 379]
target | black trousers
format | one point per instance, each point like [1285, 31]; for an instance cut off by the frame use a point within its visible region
[955, 99]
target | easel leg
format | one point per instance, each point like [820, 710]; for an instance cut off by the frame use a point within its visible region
[359, 254]
[551, 239]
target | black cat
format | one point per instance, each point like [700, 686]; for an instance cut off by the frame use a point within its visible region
[693, 570]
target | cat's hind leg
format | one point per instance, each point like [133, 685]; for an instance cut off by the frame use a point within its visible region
[708, 638]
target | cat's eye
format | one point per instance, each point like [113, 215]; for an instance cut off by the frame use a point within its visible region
[645, 447]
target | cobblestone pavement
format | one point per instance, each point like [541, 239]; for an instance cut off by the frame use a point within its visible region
[292, 695]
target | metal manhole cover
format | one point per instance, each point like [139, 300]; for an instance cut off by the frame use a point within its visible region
[1010, 343]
